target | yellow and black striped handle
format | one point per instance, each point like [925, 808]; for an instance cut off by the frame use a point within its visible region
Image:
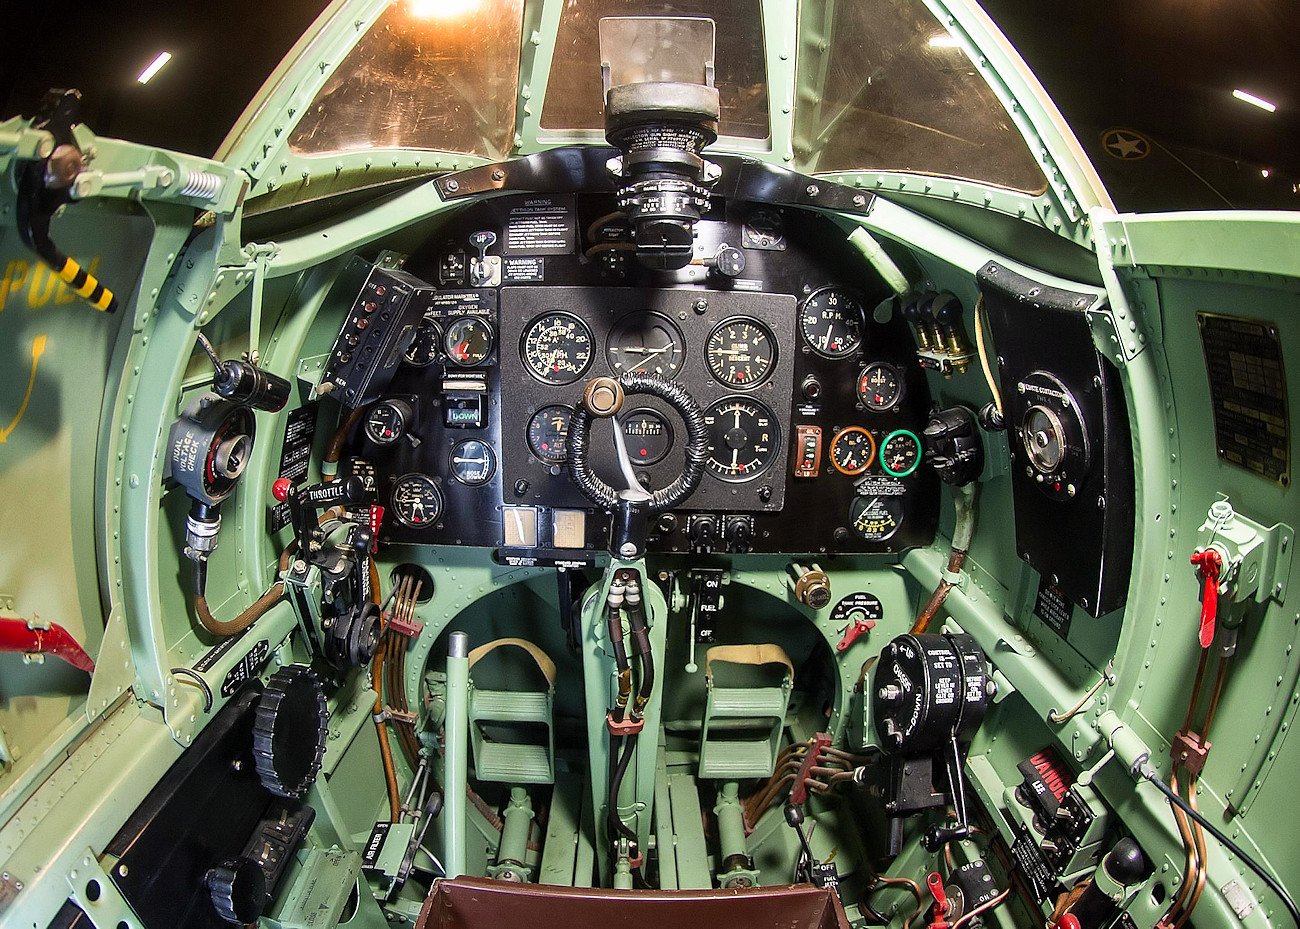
[85, 284]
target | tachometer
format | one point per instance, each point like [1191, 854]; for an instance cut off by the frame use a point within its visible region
[417, 501]
[831, 321]
[646, 343]
[900, 453]
[875, 519]
[743, 438]
[852, 450]
[547, 432]
[556, 348]
[468, 341]
[741, 352]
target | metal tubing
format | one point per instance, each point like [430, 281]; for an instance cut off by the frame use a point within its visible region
[731, 825]
[457, 754]
[17, 636]
[514, 834]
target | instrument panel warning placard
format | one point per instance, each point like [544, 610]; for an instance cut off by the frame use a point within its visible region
[541, 226]
[1243, 360]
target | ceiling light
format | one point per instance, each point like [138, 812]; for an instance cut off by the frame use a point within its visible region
[154, 67]
[1260, 102]
[943, 40]
[1264, 172]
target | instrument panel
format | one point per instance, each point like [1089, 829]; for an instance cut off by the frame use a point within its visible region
[808, 381]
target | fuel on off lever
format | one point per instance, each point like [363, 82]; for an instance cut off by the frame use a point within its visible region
[858, 626]
[1209, 565]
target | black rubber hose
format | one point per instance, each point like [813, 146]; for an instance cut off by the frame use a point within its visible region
[641, 639]
[615, 782]
[697, 445]
[1226, 842]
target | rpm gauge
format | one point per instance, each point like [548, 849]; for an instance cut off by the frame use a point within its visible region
[417, 501]
[900, 453]
[548, 432]
[831, 322]
[646, 343]
[876, 519]
[743, 438]
[880, 386]
[741, 352]
[852, 450]
[556, 348]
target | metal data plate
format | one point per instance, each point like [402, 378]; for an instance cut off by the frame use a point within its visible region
[1243, 361]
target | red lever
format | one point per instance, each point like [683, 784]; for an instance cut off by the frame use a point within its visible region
[1209, 564]
[854, 629]
[935, 883]
[280, 489]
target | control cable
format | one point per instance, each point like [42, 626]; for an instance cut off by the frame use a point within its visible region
[1149, 773]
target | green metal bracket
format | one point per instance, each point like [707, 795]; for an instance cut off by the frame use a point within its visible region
[114, 668]
[94, 891]
[320, 892]
[1256, 558]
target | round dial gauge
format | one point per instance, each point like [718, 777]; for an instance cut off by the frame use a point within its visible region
[741, 352]
[473, 462]
[880, 386]
[417, 501]
[547, 432]
[852, 450]
[831, 322]
[1044, 437]
[424, 349]
[900, 453]
[556, 348]
[646, 343]
[388, 421]
[743, 438]
[468, 341]
[876, 518]
[648, 434]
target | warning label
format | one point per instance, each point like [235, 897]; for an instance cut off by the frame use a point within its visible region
[295, 455]
[1052, 608]
[541, 226]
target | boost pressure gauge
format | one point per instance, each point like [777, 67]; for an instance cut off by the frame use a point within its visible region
[743, 438]
[880, 387]
[831, 322]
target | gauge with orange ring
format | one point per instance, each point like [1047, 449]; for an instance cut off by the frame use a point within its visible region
[852, 450]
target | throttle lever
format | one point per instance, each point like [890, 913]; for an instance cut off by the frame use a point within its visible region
[303, 500]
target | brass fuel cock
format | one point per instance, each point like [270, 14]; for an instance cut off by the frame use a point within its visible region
[942, 343]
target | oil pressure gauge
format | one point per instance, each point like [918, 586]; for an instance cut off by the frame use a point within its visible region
[852, 450]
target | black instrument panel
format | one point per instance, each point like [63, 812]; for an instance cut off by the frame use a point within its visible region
[813, 399]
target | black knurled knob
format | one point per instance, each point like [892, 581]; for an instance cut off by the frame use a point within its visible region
[237, 887]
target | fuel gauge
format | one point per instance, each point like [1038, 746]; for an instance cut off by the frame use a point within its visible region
[876, 519]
